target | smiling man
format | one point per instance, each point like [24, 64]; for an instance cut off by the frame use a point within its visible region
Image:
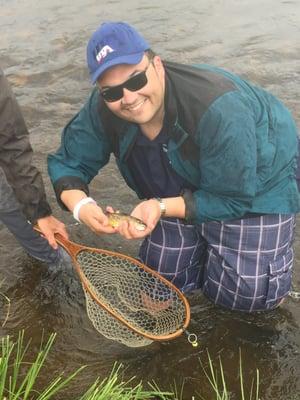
[211, 156]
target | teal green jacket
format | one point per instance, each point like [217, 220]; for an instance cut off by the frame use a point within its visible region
[235, 142]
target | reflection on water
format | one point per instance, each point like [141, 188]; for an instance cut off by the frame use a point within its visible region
[42, 50]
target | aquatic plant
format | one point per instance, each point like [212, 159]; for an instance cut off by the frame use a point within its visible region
[216, 379]
[19, 379]
[112, 388]
[16, 384]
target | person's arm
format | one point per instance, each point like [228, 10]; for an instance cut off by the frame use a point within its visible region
[84, 150]
[16, 156]
[86, 210]
[227, 162]
[16, 161]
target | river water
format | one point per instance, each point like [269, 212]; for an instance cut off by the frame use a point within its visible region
[42, 51]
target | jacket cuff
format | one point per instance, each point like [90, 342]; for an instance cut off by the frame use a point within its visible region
[69, 183]
[190, 205]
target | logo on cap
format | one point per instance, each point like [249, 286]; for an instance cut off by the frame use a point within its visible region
[101, 54]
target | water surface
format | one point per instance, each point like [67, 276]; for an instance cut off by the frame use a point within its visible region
[42, 50]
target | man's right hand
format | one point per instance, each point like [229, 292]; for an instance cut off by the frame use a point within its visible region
[92, 215]
[89, 214]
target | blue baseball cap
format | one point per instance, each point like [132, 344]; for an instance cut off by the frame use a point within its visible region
[111, 44]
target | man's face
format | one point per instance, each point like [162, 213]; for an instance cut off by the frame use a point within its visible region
[144, 105]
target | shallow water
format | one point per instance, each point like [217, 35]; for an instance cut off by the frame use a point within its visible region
[42, 50]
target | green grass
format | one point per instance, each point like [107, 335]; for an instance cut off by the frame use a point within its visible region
[15, 384]
[110, 388]
[19, 379]
[216, 379]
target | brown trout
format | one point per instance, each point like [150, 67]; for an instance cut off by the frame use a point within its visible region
[116, 218]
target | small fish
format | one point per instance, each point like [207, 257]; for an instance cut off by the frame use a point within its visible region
[116, 218]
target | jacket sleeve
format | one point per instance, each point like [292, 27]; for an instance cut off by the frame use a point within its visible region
[227, 161]
[83, 151]
[16, 157]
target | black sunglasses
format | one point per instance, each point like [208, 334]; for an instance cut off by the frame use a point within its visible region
[133, 84]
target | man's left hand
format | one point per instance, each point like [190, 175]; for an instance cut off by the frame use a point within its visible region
[149, 212]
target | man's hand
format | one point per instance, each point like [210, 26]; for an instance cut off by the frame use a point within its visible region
[89, 213]
[49, 226]
[92, 215]
[149, 212]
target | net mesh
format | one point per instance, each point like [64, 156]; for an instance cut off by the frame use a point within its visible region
[147, 304]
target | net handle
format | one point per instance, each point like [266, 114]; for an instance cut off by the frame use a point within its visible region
[72, 248]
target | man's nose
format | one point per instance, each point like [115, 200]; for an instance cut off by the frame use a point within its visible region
[129, 97]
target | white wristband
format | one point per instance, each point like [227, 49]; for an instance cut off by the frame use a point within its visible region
[78, 206]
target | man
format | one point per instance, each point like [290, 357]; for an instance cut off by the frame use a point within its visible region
[212, 157]
[22, 193]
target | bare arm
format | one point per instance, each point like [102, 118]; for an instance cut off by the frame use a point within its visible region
[71, 197]
[175, 207]
[90, 214]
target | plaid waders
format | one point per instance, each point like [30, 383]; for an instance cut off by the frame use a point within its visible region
[244, 264]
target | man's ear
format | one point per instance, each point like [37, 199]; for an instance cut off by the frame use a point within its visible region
[157, 61]
[158, 64]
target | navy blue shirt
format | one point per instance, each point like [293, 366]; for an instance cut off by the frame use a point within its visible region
[151, 169]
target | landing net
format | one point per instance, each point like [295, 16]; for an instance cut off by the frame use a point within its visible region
[128, 302]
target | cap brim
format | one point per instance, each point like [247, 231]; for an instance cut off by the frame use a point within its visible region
[128, 59]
